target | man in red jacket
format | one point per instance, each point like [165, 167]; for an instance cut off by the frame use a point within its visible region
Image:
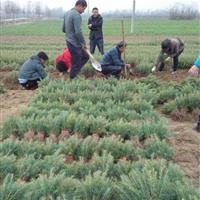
[63, 61]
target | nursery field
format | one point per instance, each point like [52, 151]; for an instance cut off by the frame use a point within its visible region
[97, 138]
[18, 42]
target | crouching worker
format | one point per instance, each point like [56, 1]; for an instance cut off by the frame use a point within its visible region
[112, 63]
[170, 49]
[63, 61]
[33, 71]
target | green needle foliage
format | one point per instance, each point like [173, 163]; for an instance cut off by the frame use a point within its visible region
[96, 187]
[113, 145]
[154, 182]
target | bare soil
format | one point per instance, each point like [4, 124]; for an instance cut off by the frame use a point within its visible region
[166, 76]
[107, 39]
[186, 143]
[183, 115]
[12, 102]
[10, 83]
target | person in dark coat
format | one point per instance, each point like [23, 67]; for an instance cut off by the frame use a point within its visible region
[74, 37]
[112, 63]
[170, 49]
[95, 23]
[33, 71]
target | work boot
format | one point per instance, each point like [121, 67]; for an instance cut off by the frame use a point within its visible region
[197, 127]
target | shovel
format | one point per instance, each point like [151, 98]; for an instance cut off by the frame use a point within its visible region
[93, 61]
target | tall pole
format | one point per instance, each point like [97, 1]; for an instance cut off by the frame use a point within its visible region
[29, 9]
[123, 38]
[88, 5]
[1, 13]
[133, 18]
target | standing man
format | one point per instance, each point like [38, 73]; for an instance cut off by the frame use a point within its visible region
[170, 48]
[95, 23]
[74, 37]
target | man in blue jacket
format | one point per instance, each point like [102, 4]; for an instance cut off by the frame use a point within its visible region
[33, 71]
[95, 23]
[112, 63]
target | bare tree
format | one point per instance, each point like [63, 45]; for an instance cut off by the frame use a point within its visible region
[1, 10]
[47, 12]
[23, 12]
[7, 8]
[15, 9]
[1, 5]
[181, 11]
[11, 9]
[38, 9]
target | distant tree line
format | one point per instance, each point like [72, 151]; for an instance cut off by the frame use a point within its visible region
[128, 13]
[180, 11]
[10, 9]
[177, 12]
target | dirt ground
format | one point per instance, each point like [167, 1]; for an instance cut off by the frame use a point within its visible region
[13, 102]
[185, 140]
[167, 76]
[107, 39]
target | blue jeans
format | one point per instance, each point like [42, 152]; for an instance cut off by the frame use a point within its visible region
[79, 58]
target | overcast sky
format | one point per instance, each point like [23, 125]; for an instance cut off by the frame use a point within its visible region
[107, 5]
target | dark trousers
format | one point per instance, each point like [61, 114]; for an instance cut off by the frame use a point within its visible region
[31, 84]
[111, 70]
[79, 58]
[198, 123]
[175, 63]
[99, 44]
